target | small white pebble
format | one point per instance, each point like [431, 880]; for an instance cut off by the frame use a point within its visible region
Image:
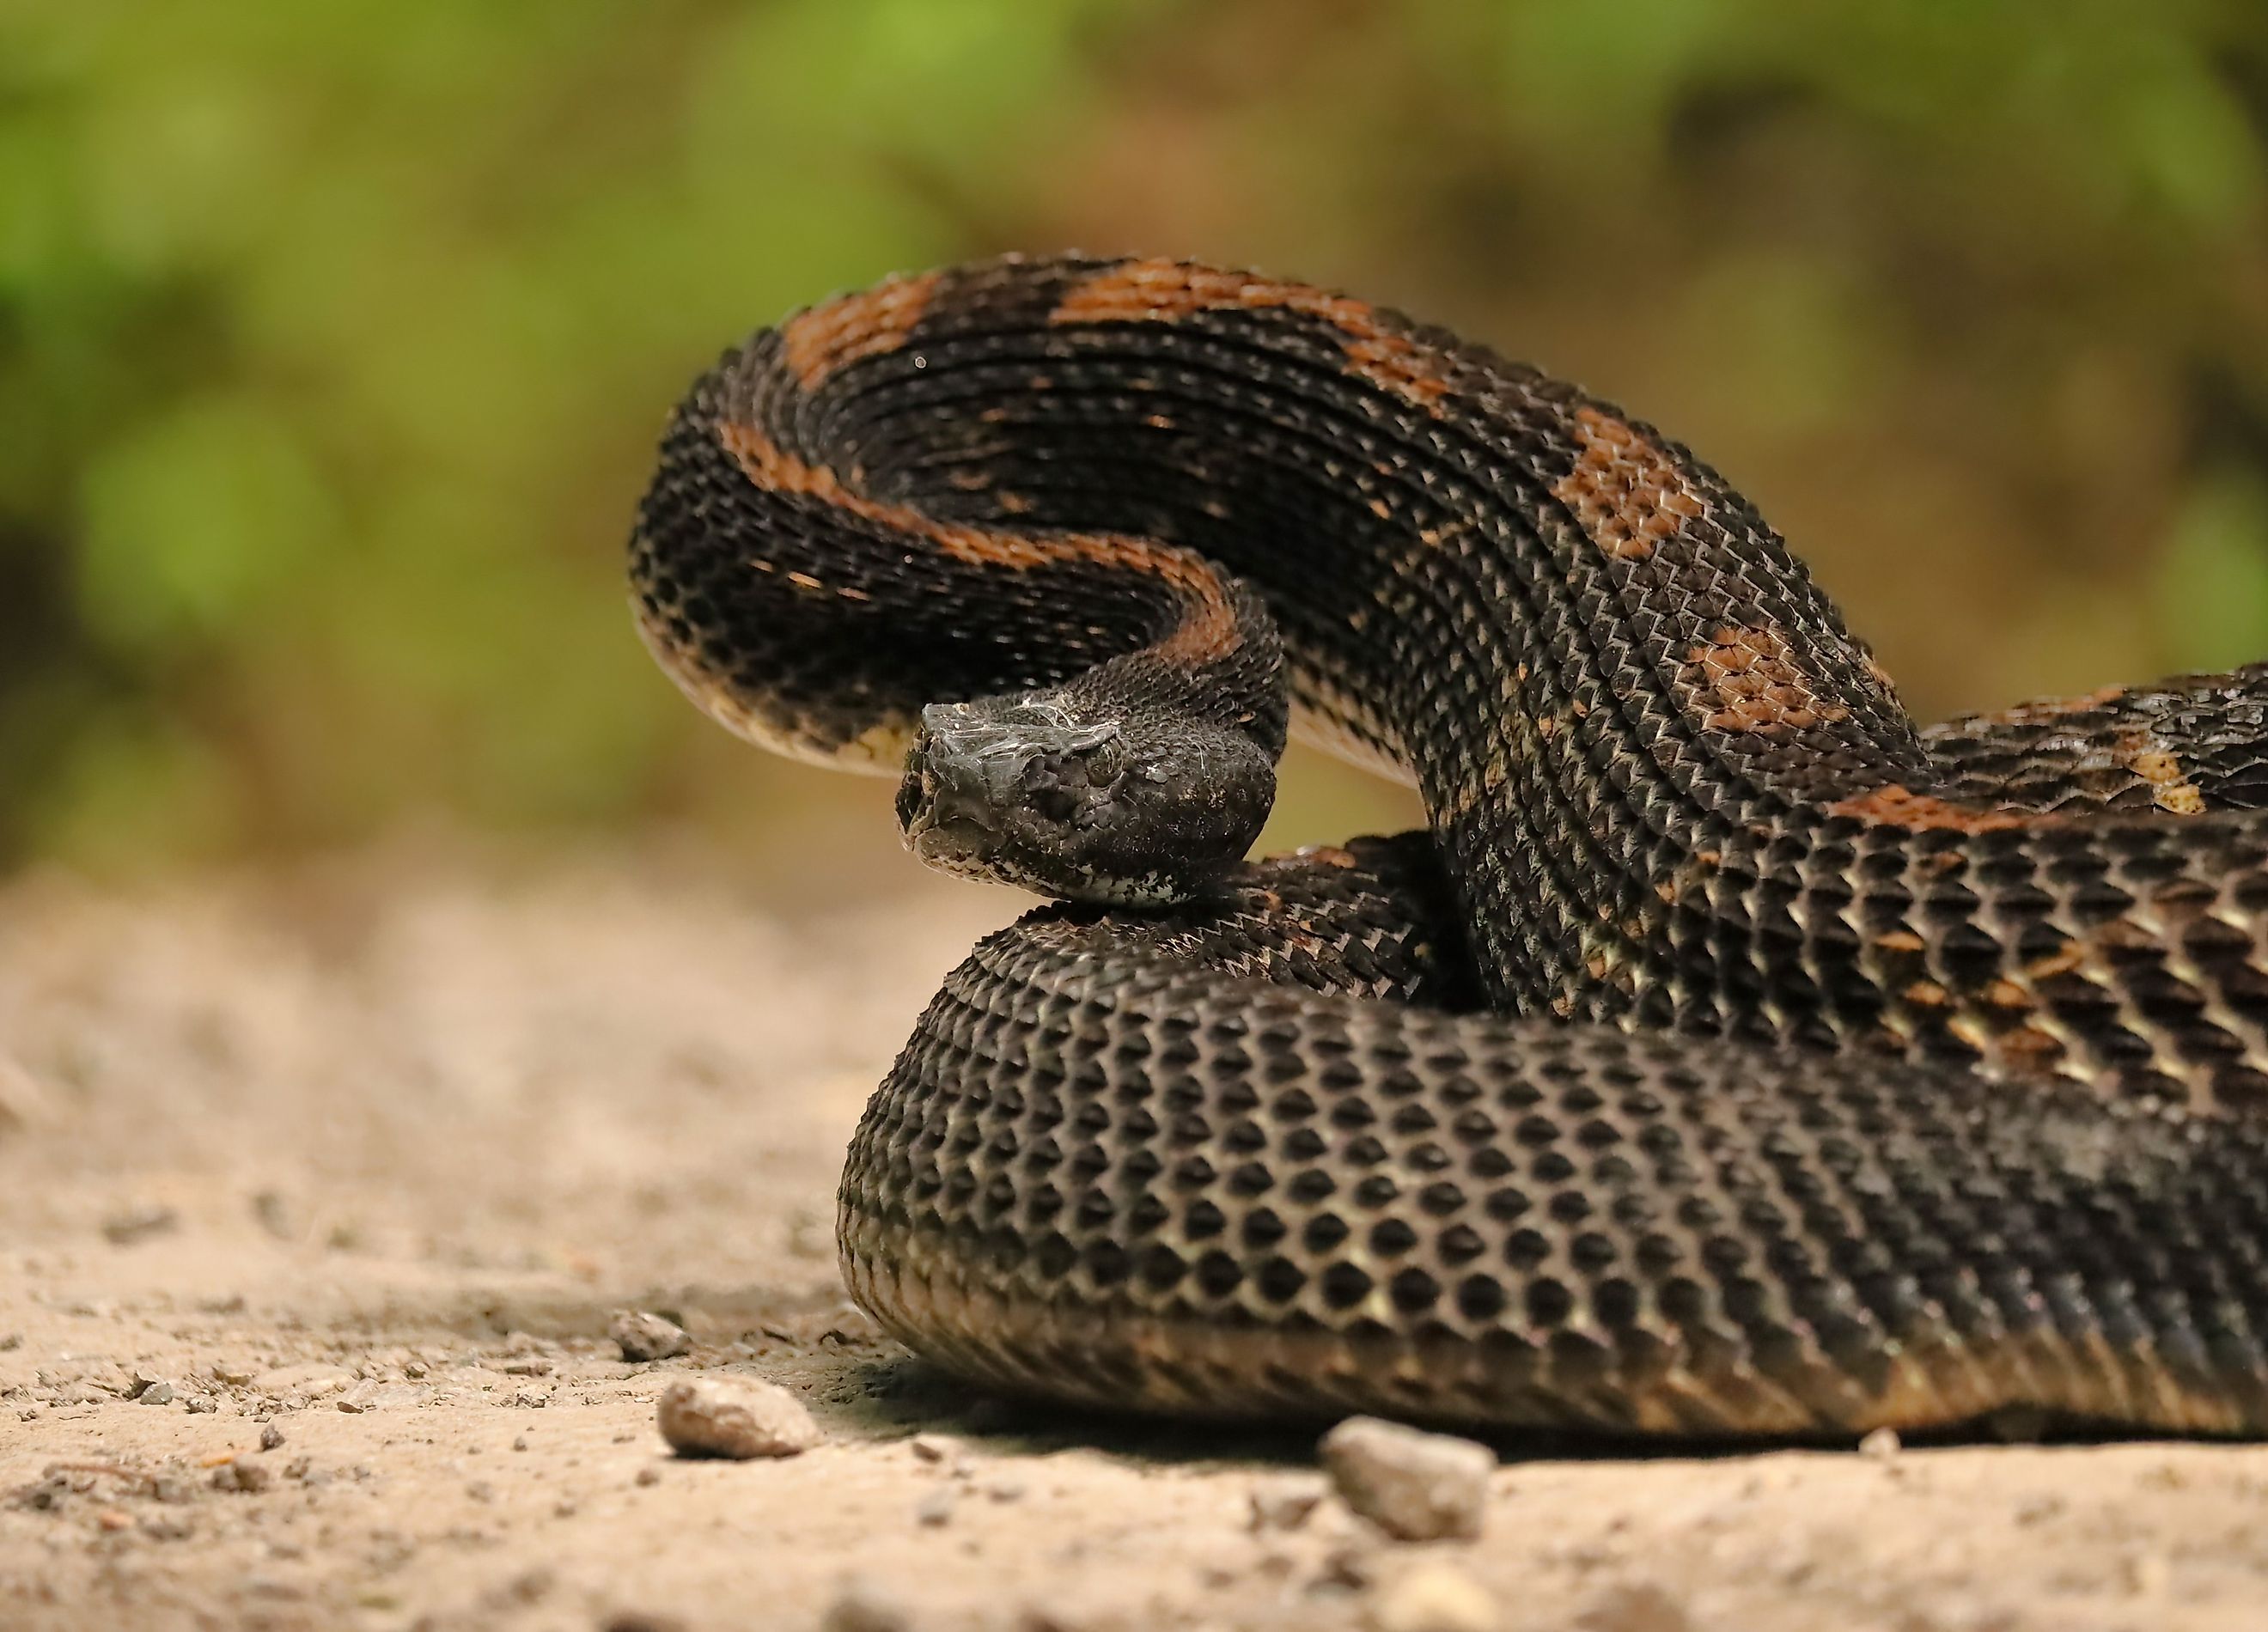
[937, 1507]
[734, 1416]
[239, 1476]
[1281, 1506]
[1882, 1444]
[643, 1336]
[1413, 1485]
[1434, 1598]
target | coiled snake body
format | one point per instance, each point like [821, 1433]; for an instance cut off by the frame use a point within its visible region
[1729, 1057]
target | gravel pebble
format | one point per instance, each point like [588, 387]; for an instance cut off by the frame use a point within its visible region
[239, 1476]
[274, 1215]
[1882, 1444]
[937, 1507]
[310, 1382]
[640, 1621]
[271, 1437]
[1413, 1485]
[1434, 1599]
[376, 1396]
[139, 1223]
[734, 1416]
[159, 1392]
[1283, 1507]
[644, 1336]
[864, 1605]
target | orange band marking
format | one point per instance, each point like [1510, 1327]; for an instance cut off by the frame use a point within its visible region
[1159, 292]
[825, 338]
[1208, 627]
[1626, 493]
[1752, 678]
[1896, 805]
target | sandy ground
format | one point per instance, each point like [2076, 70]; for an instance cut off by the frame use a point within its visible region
[357, 1162]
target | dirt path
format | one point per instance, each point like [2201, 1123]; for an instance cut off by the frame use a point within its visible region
[359, 1161]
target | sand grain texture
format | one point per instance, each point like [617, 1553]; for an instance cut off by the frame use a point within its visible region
[360, 1162]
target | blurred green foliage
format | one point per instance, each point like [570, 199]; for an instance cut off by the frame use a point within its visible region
[334, 338]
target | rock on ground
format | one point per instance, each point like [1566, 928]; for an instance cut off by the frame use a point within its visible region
[740, 1417]
[643, 1336]
[1413, 1485]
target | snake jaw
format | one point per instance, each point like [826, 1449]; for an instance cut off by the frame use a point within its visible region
[1032, 792]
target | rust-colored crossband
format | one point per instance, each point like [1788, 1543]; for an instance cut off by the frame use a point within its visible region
[1160, 292]
[817, 341]
[1627, 494]
[1896, 805]
[1750, 680]
[1208, 628]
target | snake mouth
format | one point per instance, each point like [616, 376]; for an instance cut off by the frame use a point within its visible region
[943, 820]
[954, 840]
[1000, 799]
[949, 827]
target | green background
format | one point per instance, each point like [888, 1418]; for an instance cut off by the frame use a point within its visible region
[335, 337]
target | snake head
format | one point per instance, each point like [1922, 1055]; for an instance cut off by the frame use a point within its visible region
[1041, 793]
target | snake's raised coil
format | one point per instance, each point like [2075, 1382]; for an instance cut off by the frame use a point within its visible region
[1730, 1056]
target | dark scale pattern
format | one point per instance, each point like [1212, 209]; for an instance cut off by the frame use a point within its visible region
[1866, 1076]
[2185, 746]
[1103, 1169]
